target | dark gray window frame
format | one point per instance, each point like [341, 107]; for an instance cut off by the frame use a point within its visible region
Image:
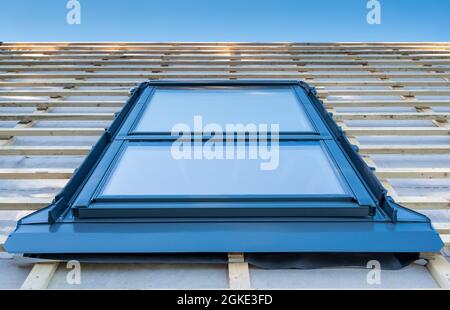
[91, 204]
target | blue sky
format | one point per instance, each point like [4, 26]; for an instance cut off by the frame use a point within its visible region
[225, 20]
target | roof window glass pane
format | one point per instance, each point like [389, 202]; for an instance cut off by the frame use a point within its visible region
[303, 169]
[222, 106]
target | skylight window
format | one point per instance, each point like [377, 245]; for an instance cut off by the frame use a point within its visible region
[223, 166]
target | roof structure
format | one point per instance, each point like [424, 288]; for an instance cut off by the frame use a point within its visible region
[391, 99]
